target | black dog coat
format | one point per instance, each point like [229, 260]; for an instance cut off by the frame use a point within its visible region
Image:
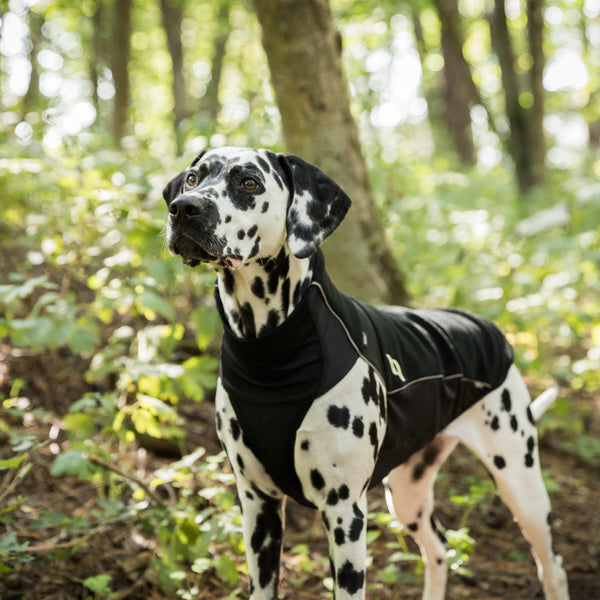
[435, 365]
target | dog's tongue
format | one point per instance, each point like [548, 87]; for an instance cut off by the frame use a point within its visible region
[234, 261]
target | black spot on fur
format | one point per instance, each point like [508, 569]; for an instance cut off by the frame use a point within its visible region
[338, 416]
[349, 579]
[332, 497]
[413, 527]
[249, 495]
[418, 471]
[339, 535]
[369, 388]
[514, 424]
[266, 542]
[252, 231]
[285, 296]
[247, 320]
[373, 438]
[258, 287]
[530, 444]
[357, 524]
[264, 165]
[495, 424]
[240, 462]
[499, 462]
[530, 416]
[317, 479]
[529, 461]
[265, 207]
[219, 421]
[305, 445]
[241, 234]
[344, 492]
[235, 428]
[506, 401]
[279, 270]
[228, 219]
[255, 248]
[228, 281]
[358, 427]
[430, 454]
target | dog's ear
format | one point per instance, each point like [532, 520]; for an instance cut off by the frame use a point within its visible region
[173, 188]
[317, 206]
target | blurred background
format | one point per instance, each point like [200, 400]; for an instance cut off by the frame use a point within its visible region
[467, 133]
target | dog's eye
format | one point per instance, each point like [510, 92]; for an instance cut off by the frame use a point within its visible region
[191, 179]
[249, 184]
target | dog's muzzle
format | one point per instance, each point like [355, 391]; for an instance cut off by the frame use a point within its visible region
[191, 230]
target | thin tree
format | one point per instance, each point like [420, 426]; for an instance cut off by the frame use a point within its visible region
[304, 54]
[459, 88]
[172, 16]
[526, 143]
[120, 66]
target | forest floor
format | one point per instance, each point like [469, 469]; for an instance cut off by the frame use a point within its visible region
[500, 563]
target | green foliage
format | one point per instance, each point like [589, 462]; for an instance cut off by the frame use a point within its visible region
[99, 585]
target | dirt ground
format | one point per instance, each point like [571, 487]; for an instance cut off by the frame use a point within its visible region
[501, 565]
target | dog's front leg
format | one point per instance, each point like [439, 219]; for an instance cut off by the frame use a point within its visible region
[262, 525]
[261, 500]
[346, 525]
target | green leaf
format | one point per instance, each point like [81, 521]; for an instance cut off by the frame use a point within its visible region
[80, 426]
[12, 463]
[149, 300]
[9, 545]
[227, 570]
[72, 462]
[99, 584]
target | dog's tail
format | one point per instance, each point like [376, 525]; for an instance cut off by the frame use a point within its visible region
[543, 402]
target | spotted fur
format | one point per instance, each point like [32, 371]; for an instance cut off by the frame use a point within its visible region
[257, 218]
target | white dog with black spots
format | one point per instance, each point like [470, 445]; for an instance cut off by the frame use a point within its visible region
[321, 397]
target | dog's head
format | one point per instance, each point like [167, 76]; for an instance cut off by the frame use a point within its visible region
[235, 205]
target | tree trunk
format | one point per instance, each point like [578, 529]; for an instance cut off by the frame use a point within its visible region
[304, 54]
[210, 105]
[172, 15]
[33, 88]
[518, 146]
[431, 85]
[99, 53]
[458, 83]
[120, 66]
[535, 27]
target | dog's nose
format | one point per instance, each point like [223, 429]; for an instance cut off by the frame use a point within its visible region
[184, 207]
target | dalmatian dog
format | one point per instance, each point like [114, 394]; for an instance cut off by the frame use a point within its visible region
[321, 397]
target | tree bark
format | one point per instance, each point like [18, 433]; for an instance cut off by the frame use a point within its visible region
[304, 54]
[33, 88]
[120, 66]
[172, 15]
[458, 83]
[519, 142]
[535, 27]
[96, 54]
[210, 104]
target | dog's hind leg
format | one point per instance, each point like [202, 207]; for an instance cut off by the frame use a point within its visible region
[409, 494]
[501, 431]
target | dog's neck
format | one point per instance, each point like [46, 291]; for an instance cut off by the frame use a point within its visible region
[259, 296]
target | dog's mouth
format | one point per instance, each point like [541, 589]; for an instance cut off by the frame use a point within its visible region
[194, 253]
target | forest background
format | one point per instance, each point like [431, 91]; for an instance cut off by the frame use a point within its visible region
[467, 134]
